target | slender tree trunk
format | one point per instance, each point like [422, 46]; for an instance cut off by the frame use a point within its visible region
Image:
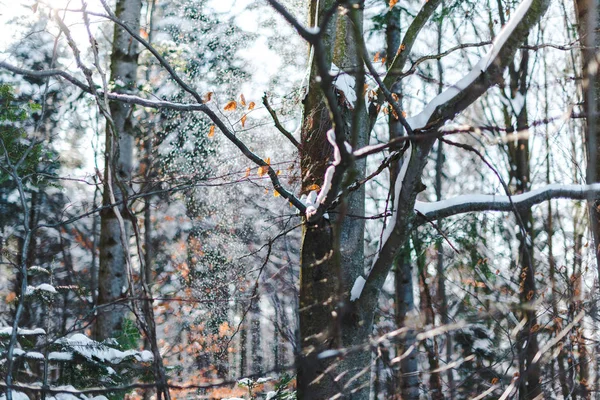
[405, 318]
[243, 360]
[441, 274]
[113, 276]
[588, 19]
[530, 374]
[431, 345]
[255, 332]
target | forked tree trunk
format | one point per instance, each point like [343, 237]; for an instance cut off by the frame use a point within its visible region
[518, 150]
[113, 274]
[328, 319]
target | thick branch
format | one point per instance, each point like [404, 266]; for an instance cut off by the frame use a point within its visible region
[490, 202]
[487, 72]
[397, 65]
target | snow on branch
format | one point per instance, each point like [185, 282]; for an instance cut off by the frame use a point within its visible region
[490, 202]
[487, 72]
[421, 120]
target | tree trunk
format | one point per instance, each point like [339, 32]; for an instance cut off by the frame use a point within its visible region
[113, 276]
[530, 374]
[405, 309]
[332, 253]
[255, 333]
[588, 19]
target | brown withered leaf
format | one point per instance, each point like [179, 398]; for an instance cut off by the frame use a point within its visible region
[231, 106]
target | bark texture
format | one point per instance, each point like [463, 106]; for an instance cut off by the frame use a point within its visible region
[517, 122]
[113, 274]
[588, 20]
[332, 254]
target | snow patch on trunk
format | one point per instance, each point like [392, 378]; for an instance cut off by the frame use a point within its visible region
[357, 288]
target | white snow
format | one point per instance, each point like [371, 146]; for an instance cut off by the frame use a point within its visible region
[421, 119]
[357, 288]
[326, 184]
[44, 287]
[15, 395]
[72, 395]
[145, 356]
[363, 150]
[516, 104]
[91, 350]
[328, 354]
[271, 395]
[7, 330]
[474, 199]
[328, 178]
[344, 83]
[348, 147]
[34, 355]
[18, 352]
[391, 223]
[454, 127]
[60, 356]
[337, 157]
[47, 288]
[35, 268]
[245, 382]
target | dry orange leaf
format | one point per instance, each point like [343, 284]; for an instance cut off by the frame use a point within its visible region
[211, 132]
[251, 105]
[278, 172]
[243, 120]
[393, 3]
[242, 100]
[376, 58]
[276, 193]
[247, 172]
[268, 160]
[208, 97]
[231, 106]
[314, 186]
[10, 297]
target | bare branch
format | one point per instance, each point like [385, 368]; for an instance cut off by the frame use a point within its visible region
[161, 104]
[308, 35]
[278, 124]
